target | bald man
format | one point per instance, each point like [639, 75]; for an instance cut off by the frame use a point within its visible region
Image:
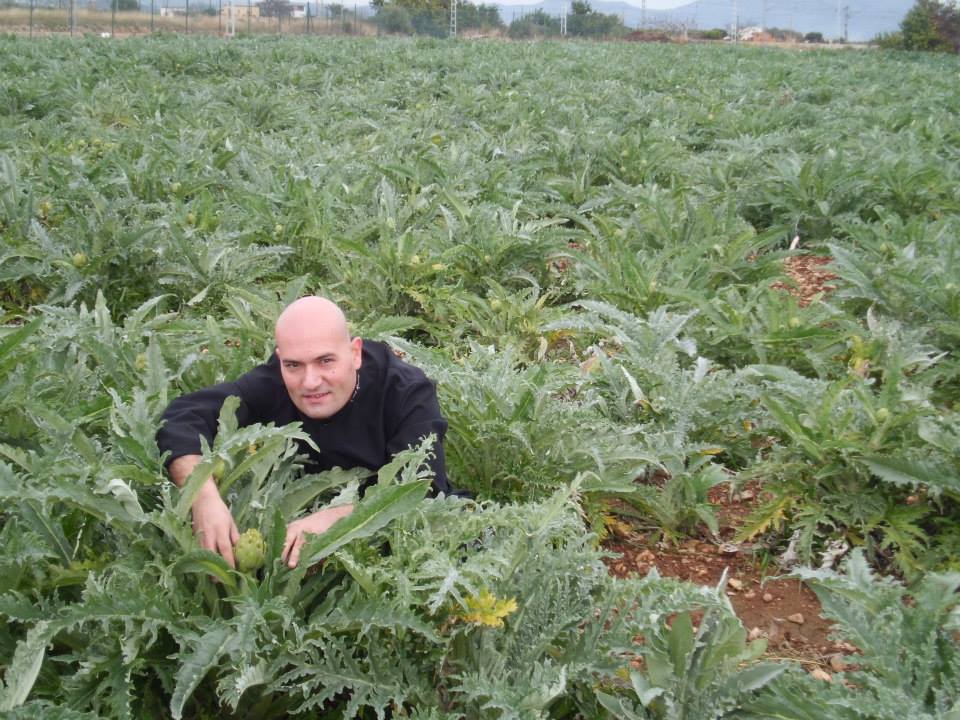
[358, 402]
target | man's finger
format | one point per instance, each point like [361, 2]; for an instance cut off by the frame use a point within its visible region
[226, 549]
[295, 551]
[292, 534]
[207, 540]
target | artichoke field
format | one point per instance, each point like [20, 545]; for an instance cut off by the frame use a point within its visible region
[583, 245]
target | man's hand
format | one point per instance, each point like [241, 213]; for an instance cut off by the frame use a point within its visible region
[212, 522]
[314, 524]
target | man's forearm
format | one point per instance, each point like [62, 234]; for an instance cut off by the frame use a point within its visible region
[212, 523]
[181, 467]
[180, 470]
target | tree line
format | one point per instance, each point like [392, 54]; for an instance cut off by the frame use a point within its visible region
[929, 25]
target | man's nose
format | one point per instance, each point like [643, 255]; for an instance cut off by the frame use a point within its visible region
[312, 376]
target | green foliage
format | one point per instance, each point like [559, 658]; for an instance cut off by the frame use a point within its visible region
[584, 21]
[431, 17]
[392, 19]
[712, 34]
[908, 662]
[702, 670]
[274, 8]
[370, 630]
[930, 25]
[855, 466]
[535, 24]
[578, 243]
[512, 437]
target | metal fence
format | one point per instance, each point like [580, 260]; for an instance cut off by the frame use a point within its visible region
[37, 18]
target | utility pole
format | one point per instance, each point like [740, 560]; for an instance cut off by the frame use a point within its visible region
[839, 18]
[735, 21]
[846, 22]
[763, 15]
[563, 20]
[453, 18]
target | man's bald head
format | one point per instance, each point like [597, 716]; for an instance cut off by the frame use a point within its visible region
[310, 314]
[318, 359]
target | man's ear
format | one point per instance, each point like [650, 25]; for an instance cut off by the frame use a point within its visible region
[356, 346]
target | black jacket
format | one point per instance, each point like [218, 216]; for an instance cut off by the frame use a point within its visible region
[395, 407]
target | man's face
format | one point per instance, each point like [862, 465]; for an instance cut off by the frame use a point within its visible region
[319, 370]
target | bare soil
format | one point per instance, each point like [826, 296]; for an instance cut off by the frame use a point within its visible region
[782, 610]
[808, 277]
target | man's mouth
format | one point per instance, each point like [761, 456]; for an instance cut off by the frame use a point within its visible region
[315, 397]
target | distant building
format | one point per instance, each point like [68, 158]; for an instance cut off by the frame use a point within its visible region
[251, 8]
[242, 9]
[751, 33]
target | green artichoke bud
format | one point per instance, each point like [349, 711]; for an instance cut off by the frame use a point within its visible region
[250, 551]
[219, 469]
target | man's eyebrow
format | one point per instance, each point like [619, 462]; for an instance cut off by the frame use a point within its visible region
[322, 356]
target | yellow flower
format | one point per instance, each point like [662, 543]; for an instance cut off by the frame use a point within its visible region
[486, 609]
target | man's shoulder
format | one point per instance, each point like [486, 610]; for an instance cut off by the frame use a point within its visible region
[390, 368]
[264, 379]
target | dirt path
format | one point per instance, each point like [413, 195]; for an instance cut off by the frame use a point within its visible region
[808, 277]
[782, 610]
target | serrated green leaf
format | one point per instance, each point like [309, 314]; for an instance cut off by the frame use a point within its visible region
[205, 562]
[196, 663]
[376, 511]
[902, 472]
[25, 666]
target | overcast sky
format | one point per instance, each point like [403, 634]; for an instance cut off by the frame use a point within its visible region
[651, 4]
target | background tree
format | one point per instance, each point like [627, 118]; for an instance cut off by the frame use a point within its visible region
[534, 25]
[584, 21]
[393, 19]
[274, 8]
[478, 17]
[431, 17]
[929, 25]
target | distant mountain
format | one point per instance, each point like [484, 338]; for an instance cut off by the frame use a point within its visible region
[863, 19]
